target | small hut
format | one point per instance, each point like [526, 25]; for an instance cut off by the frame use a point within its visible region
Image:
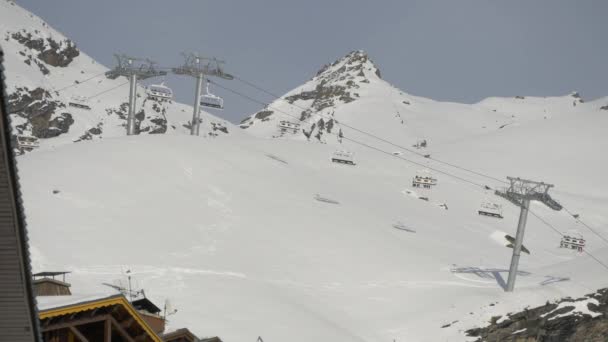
[47, 284]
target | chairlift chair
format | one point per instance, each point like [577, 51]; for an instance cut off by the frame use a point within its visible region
[343, 157]
[27, 142]
[159, 91]
[573, 240]
[79, 102]
[490, 209]
[425, 179]
[288, 126]
[210, 100]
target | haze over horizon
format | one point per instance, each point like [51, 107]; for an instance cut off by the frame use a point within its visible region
[451, 51]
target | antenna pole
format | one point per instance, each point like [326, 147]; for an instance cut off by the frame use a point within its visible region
[130, 291]
[519, 239]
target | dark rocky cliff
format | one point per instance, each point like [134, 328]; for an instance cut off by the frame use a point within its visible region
[567, 320]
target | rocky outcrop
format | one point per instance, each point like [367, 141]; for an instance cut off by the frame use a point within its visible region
[52, 52]
[216, 126]
[567, 320]
[263, 115]
[333, 85]
[325, 96]
[37, 109]
[91, 133]
[58, 125]
[577, 96]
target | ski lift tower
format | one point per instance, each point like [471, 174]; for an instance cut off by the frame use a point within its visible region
[199, 68]
[520, 192]
[126, 67]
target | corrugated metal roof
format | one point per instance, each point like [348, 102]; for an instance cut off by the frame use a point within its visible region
[18, 316]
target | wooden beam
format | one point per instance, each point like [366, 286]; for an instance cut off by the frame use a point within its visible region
[127, 323]
[92, 313]
[120, 330]
[107, 330]
[141, 337]
[75, 323]
[49, 321]
[78, 334]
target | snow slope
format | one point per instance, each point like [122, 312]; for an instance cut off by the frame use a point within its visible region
[351, 93]
[45, 70]
[229, 229]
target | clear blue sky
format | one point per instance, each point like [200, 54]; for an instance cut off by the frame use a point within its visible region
[453, 50]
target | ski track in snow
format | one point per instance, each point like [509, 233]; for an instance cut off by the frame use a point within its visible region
[119, 270]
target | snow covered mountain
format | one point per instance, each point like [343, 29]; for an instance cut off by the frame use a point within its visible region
[46, 72]
[261, 234]
[351, 93]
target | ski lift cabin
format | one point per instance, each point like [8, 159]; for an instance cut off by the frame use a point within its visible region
[490, 209]
[288, 127]
[159, 92]
[573, 241]
[210, 100]
[343, 157]
[424, 179]
[79, 102]
[27, 142]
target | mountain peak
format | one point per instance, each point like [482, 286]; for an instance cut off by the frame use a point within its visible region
[315, 102]
[356, 63]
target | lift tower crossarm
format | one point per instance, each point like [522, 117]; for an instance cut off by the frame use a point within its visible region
[127, 67]
[200, 67]
[520, 192]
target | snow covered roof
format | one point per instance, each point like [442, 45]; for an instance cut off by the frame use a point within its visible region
[51, 307]
[146, 304]
[55, 302]
[51, 274]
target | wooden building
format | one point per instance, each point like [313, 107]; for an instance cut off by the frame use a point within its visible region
[46, 284]
[92, 318]
[150, 313]
[185, 335]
